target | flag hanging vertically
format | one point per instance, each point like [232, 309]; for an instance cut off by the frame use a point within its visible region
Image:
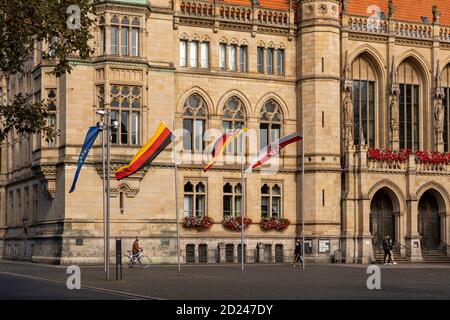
[87, 145]
[221, 144]
[162, 138]
[272, 149]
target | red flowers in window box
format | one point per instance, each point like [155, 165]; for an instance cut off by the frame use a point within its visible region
[202, 223]
[388, 155]
[432, 157]
[281, 224]
[235, 223]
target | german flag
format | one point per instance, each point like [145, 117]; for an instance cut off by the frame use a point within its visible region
[221, 144]
[162, 138]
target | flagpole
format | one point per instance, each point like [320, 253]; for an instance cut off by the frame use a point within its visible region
[104, 192]
[108, 200]
[243, 201]
[303, 198]
[176, 196]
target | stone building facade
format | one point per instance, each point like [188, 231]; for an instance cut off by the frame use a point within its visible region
[353, 76]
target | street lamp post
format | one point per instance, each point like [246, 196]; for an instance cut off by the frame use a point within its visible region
[110, 125]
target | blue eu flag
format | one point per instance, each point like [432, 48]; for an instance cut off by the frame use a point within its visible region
[87, 145]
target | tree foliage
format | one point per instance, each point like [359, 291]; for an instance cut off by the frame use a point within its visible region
[25, 22]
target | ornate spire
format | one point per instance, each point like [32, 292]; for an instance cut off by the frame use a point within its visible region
[438, 91]
[347, 81]
[394, 78]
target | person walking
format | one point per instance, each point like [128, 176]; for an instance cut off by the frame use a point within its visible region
[387, 249]
[298, 254]
[391, 251]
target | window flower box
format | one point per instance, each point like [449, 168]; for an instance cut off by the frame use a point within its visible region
[199, 223]
[268, 224]
[235, 223]
[388, 155]
[434, 158]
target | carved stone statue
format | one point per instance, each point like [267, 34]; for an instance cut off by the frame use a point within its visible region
[348, 108]
[345, 4]
[436, 14]
[439, 114]
[394, 111]
[392, 9]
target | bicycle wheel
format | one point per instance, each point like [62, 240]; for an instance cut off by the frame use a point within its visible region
[126, 261]
[144, 261]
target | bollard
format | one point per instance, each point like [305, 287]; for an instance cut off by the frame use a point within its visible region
[118, 259]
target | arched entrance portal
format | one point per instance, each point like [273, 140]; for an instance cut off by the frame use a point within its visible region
[429, 223]
[382, 219]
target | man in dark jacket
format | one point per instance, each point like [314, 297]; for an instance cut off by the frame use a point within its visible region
[387, 249]
[298, 254]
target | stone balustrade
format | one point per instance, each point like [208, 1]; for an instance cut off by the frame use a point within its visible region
[444, 34]
[386, 165]
[397, 166]
[359, 24]
[234, 13]
[413, 30]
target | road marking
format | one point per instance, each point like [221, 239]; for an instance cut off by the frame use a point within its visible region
[121, 293]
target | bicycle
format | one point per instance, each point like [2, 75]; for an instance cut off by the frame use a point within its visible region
[131, 260]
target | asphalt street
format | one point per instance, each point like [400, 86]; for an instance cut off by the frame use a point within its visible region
[224, 282]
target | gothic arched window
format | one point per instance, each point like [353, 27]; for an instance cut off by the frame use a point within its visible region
[364, 83]
[233, 118]
[270, 123]
[409, 105]
[445, 78]
[194, 121]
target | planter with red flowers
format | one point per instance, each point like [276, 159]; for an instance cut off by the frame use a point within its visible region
[388, 155]
[235, 223]
[424, 157]
[432, 160]
[268, 224]
[202, 223]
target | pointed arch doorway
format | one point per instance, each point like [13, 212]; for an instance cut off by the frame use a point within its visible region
[382, 218]
[429, 221]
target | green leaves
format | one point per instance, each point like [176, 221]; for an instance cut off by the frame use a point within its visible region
[26, 118]
[21, 24]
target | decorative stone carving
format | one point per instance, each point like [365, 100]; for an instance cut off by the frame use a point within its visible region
[348, 103]
[438, 111]
[393, 106]
[392, 9]
[345, 4]
[436, 14]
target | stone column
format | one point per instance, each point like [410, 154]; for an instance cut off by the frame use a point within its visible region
[412, 237]
[261, 252]
[221, 248]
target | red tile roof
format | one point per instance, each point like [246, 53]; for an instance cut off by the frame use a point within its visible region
[407, 10]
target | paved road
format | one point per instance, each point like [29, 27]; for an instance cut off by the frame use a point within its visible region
[262, 282]
[13, 287]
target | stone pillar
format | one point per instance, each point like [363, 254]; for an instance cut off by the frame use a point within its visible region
[447, 232]
[365, 248]
[221, 248]
[261, 252]
[412, 237]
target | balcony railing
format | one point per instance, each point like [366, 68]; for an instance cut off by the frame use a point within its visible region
[234, 13]
[444, 34]
[401, 29]
[368, 25]
[398, 166]
[413, 30]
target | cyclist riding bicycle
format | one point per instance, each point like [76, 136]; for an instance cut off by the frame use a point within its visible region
[136, 249]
